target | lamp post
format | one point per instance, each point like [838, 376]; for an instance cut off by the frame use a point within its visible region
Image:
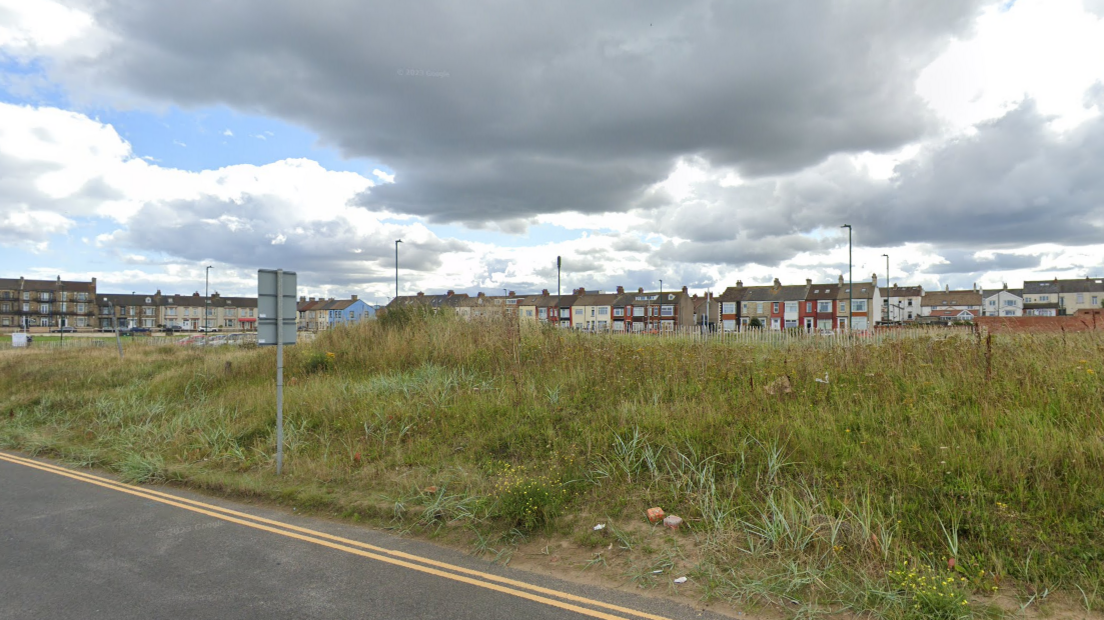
[850, 281]
[397, 242]
[661, 287]
[888, 316]
[206, 299]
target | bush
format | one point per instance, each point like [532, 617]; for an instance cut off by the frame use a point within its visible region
[528, 503]
[318, 361]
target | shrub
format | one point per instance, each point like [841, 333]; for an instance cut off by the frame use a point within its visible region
[528, 503]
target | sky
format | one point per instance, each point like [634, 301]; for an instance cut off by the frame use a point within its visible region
[694, 143]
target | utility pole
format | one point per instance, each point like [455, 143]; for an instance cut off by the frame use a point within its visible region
[850, 282]
[397, 242]
[61, 315]
[661, 286]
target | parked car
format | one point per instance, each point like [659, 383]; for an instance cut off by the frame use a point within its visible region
[139, 330]
[63, 330]
[207, 329]
[172, 328]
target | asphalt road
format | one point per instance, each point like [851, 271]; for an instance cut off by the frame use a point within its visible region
[77, 546]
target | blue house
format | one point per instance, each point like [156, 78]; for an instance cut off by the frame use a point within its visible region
[344, 311]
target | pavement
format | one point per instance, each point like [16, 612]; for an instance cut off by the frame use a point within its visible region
[74, 544]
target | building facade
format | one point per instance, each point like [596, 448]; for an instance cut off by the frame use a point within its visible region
[42, 305]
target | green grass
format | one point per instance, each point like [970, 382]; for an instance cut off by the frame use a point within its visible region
[913, 452]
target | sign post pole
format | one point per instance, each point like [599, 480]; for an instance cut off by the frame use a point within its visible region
[276, 326]
[279, 371]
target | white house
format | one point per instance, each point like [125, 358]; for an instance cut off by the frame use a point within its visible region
[1003, 302]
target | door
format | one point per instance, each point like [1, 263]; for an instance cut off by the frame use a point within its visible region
[808, 323]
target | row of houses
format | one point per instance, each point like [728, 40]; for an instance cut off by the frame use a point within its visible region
[810, 306]
[49, 304]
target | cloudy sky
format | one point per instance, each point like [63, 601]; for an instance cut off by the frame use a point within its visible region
[695, 142]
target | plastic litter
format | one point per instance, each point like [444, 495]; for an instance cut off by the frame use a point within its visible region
[681, 580]
[600, 526]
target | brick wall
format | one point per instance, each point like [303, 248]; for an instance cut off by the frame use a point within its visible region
[1084, 320]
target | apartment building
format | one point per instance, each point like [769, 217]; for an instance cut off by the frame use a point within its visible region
[41, 305]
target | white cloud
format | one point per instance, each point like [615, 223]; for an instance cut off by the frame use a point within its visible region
[227, 132]
[39, 23]
[1049, 50]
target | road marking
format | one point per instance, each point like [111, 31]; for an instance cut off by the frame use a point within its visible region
[347, 545]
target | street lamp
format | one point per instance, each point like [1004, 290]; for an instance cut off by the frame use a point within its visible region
[661, 287]
[889, 317]
[206, 299]
[61, 315]
[850, 281]
[397, 242]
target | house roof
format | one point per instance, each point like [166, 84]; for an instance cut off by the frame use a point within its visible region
[902, 291]
[16, 284]
[1079, 285]
[596, 299]
[863, 290]
[951, 298]
[822, 291]
[953, 313]
[757, 293]
[732, 293]
[1018, 292]
[1047, 305]
[434, 301]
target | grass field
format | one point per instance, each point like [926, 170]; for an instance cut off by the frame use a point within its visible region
[851, 495]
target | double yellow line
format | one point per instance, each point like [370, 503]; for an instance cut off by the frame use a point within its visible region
[520, 589]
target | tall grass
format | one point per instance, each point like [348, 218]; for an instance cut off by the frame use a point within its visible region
[919, 449]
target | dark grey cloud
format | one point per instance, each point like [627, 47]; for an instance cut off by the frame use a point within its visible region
[496, 112]
[769, 251]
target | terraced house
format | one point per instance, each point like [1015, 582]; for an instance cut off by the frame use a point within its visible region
[42, 305]
[1062, 297]
[184, 312]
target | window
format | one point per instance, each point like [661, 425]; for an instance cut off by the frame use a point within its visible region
[147, 322]
[618, 312]
[638, 310]
[992, 303]
[791, 307]
[729, 325]
[747, 307]
[1044, 298]
[1080, 298]
[44, 308]
[774, 307]
[7, 294]
[80, 308]
[542, 313]
[808, 306]
[5, 308]
[131, 310]
[667, 311]
[1095, 300]
[64, 307]
[26, 296]
[6, 322]
[147, 311]
[858, 305]
[910, 316]
[791, 323]
[229, 312]
[603, 311]
[170, 311]
[909, 304]
[44, 297]
[824, 306]
[728, 307]
[565, 313]
[229, 323]
[528, 313]
[1010, 302]
[1009, 313]
[1062, 301]
[82, 321]
[759, 307]
[82, 296]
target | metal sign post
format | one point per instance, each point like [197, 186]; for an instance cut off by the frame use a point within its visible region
[276, 314]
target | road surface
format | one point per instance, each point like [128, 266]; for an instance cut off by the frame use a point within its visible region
[78, 545]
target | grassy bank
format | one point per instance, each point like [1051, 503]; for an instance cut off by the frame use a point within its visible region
[847, 495]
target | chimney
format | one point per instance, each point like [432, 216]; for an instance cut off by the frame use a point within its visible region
[739, 284]
[302, 298]
[620, 290]
[841, 280]
[421, 294]
[480, 294]
[354, 297]
[544, 292]
[1005, 284]
[894, 285]
[511, 294]
[684, 289]
[450, 293]
[777, 284]
[808, 281]
[640, 290]
[946, 288]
